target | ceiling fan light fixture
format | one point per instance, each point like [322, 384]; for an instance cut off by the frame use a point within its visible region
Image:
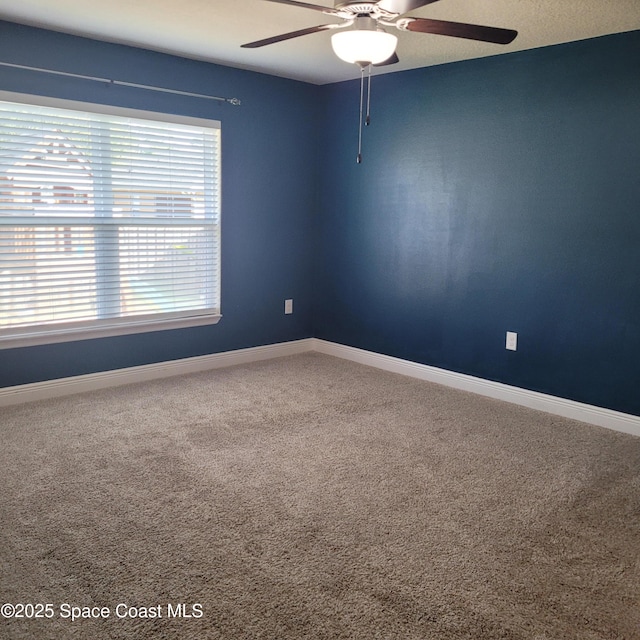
[364, 46]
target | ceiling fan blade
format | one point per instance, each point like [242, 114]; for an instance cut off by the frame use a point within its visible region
[306, 5]
[459, 30]
[289, 36]
[392, 60]
[403, 6]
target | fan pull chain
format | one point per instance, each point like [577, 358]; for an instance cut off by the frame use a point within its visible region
[367, 121]
[359, 156]
[366, 118]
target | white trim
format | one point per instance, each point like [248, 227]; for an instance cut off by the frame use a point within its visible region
[590, 414]
[615, 420]
[98, 330]
[105, 379]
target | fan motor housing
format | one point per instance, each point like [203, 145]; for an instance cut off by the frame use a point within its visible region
[356, 8]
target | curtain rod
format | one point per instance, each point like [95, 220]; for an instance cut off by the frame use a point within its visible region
[234, 101]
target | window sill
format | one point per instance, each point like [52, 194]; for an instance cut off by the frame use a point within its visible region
[104, 331]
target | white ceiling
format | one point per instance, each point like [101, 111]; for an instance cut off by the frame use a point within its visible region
[213, 30]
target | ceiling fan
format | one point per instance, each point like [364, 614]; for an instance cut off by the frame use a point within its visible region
[373, 16]
[367, 43]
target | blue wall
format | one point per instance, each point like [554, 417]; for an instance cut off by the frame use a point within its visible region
[496, 194]
[269, 182]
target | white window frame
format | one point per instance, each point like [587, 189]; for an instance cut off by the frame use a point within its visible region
[53, 333]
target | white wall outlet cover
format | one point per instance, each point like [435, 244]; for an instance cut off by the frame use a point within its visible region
[288, 306]
[512, 341]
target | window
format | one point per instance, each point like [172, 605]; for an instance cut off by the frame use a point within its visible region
[109, 221]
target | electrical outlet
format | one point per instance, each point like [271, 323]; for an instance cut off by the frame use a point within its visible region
[288, 306]
[512, 341]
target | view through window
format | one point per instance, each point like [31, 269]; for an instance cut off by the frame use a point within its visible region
[107, 220]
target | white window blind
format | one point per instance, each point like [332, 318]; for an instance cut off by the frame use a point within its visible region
[109, 222]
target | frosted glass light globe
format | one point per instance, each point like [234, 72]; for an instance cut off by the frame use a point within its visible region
[364, 46]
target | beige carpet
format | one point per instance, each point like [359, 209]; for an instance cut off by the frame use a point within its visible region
[310, 497]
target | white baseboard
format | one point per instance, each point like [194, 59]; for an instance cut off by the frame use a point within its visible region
[550, 404]
[105, 379]
[559, 406]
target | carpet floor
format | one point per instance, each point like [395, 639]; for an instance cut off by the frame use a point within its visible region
[311, 497]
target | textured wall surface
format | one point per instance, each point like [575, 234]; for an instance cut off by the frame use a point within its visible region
[269, 183]
[495, 195]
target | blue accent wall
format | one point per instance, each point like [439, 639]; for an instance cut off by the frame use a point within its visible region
[499, 194]
[269, 193]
